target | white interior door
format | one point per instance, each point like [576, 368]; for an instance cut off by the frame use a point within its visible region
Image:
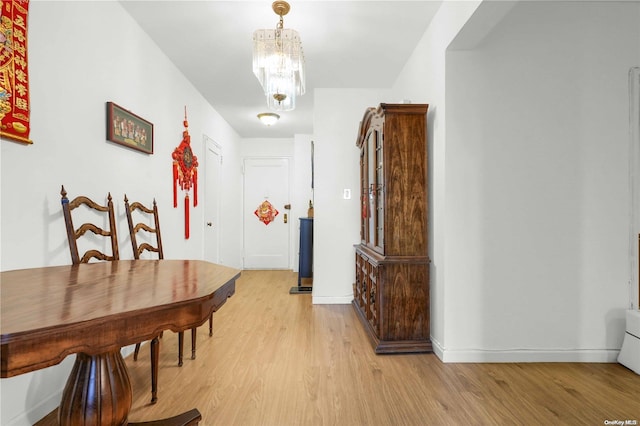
[213, 163]
[266, 220]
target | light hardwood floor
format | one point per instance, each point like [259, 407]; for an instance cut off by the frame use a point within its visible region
[277, 360]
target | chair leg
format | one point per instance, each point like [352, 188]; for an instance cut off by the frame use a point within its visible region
[193, 342]
[211, 325]
[155, 353]
[180, 347]
[136, 351]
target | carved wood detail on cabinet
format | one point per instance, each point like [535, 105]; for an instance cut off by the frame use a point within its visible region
[391, 291]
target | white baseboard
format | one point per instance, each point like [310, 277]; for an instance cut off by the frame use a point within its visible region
[37, 412]
[524, 355]
[332, 300]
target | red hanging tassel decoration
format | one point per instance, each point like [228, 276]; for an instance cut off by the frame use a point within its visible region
[175, 184]
[186, 216]
[195, 187]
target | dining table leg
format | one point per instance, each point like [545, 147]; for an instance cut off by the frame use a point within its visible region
[98, 392]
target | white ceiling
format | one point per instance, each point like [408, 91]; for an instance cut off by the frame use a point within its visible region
[347, 44]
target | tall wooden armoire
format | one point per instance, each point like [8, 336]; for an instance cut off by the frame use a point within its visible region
[391, 291]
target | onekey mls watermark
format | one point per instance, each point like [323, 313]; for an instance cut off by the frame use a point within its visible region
[620, 422]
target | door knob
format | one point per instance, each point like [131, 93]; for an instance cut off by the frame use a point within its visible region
[209, 224]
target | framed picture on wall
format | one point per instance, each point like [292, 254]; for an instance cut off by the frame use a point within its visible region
[128, 129]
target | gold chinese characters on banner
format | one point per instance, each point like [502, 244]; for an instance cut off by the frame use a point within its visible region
[14, 76]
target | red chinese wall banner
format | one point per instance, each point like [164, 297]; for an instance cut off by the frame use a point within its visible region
[14, 76]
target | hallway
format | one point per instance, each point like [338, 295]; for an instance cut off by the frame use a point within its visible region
[275, 359]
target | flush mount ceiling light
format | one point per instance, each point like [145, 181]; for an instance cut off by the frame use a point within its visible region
[278, 62]
[268, 118]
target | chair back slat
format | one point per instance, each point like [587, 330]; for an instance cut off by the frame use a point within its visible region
[74, 234]
[148, 215]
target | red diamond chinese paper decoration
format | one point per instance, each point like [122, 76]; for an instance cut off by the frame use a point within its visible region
[266, 212]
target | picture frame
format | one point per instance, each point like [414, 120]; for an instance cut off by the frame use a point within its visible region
[128, 129]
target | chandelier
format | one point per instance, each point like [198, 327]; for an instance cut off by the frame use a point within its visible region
[278, 62]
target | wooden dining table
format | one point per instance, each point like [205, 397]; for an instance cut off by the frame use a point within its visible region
[92, 310]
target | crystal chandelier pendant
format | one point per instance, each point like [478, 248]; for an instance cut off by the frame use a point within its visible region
[278, 62]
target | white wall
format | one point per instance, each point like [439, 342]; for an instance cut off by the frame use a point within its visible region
[537, 184]
[634, 184]
[529, 177]
[76, 66]
[336, 117]
[423, 81]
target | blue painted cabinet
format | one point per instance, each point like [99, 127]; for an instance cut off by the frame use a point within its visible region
[305, 266]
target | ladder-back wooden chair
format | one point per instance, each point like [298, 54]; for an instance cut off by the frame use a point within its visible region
[137, 250]
[75, 234]
[96, 212]
[150, 215]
